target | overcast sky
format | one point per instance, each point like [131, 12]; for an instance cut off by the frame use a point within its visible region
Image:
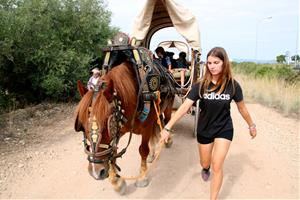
[236, 25]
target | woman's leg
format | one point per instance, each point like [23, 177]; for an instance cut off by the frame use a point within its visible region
[221, 147]
[205, 151]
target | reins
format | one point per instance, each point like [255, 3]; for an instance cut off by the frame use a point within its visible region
[145, 93]
[110, 149]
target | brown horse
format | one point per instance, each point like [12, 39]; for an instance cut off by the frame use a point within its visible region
[117, 98]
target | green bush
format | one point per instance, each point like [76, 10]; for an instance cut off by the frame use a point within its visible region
[3, 100]
[277, 71]
[46, 46]
[264, 71]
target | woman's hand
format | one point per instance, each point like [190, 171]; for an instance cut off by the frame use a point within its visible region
[245, 114]
[164, 136]
[252, 131]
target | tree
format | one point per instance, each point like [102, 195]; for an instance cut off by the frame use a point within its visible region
[280, 59]
[46, 45]
[295, 58]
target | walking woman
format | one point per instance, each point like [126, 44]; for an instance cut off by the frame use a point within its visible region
[215, 129]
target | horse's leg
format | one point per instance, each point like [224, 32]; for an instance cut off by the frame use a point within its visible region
[117, 182]
[168, 113]
[153, 143]
[146, 132]
[168, 110]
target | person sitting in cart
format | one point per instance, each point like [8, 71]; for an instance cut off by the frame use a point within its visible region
[93, 81]
[173, 61]
[182, 66]
[164, 59]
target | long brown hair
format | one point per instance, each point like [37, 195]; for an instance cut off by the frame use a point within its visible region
[226, 75]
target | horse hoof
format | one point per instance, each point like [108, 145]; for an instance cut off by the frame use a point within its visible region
[120, 187]
[150, 158]
[142, 183]
[169, 143]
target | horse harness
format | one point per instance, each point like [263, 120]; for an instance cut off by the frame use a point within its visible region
[152, 82]
[115, 122]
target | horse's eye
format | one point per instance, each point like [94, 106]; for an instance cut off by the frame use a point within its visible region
[103, 85]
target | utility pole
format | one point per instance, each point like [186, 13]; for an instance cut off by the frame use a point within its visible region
[256, 35]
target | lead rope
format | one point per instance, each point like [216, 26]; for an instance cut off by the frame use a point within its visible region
[157, 153]
[193, 61]
[202, 72]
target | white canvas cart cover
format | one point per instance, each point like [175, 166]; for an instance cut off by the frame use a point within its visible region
[158, 14]
[181, 46]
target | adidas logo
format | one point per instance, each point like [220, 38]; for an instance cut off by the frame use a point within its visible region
[216, 96]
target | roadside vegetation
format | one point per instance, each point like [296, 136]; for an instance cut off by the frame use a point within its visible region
[273, 85]
[46, 46]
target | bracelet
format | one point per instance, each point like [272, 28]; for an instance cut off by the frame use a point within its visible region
[169, 130]
[252, 126]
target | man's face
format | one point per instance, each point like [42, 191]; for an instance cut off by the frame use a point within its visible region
[96, 74]
[159, 55]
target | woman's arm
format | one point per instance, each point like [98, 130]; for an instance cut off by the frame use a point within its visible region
[182, 110]
[89, 84]
[245, 114]
[169, 63]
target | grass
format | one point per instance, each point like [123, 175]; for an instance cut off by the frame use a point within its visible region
[272, 92]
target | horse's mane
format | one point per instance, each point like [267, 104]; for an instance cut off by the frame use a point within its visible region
[124, 82]
[82, 111]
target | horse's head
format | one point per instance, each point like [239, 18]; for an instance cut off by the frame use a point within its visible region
[96, 117]
[100, 117]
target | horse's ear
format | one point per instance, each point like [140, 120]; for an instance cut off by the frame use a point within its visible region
[109, 90]
[78, 126]
[81, 89]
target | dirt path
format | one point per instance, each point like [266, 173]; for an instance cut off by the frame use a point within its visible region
[267, 167]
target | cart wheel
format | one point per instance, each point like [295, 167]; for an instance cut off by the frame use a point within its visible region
[196, 116]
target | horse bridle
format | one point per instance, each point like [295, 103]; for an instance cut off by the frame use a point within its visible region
[115, 122]
[117, 119]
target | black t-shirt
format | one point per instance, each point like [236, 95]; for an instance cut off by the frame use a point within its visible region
[182, 64]
[166, 61]
[215, 108]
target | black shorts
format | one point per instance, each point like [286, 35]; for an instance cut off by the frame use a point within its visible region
[207, 140]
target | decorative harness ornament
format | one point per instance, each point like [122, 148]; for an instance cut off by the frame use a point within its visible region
[149, 80]
[115, 122]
